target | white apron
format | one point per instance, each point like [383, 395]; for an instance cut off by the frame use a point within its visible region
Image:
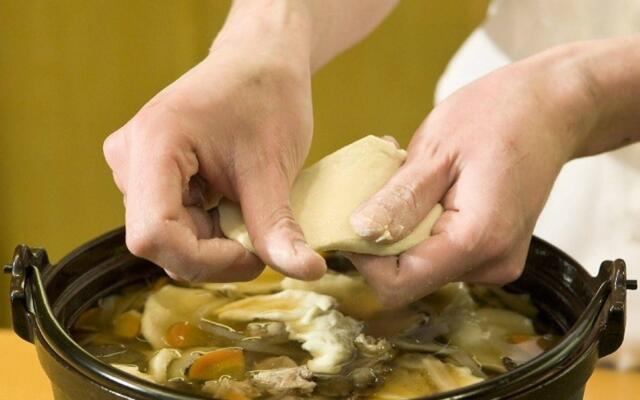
[593, 212]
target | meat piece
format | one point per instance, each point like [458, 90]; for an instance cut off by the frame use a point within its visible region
[227, 388]
[283, 380]
[378, 348]
[275, 331]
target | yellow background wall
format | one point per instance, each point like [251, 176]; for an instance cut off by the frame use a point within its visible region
[72, 71]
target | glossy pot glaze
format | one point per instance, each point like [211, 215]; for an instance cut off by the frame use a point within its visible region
[46, 299]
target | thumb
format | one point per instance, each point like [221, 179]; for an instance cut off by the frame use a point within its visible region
[276, 236]
[403, 202]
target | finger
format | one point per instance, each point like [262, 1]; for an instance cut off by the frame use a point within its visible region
[391, 140]
[207, 227]
[199, 193]
[376, 271]
[160, 229]
[277, 238]
[442, 258]
[235, 272]
[403, 202]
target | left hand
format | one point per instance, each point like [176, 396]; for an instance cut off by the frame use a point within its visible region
[490, 154]
[239, 125]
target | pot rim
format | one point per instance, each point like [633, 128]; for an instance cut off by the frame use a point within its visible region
[28, 297]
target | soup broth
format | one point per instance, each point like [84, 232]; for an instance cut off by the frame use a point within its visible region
[278, 338]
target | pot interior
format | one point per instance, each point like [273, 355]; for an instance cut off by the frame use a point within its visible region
[558, 286]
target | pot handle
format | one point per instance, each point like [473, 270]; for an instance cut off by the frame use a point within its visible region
[613, 322]
[22, 317]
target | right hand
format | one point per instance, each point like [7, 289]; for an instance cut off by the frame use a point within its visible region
[238, 125]
[490, 154]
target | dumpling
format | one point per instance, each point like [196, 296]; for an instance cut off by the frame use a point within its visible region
[172, 304]
[417, 375]
[355, 298]
[310, 318]
[324, 196]
[267, 282]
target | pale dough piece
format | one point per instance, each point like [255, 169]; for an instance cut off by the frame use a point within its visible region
[325, 195]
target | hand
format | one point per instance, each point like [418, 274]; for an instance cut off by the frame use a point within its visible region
[490, 153]
[238, 125]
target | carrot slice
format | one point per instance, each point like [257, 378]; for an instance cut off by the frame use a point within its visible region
[127, 324]
[520, 338]
[184, 334]
[215, 364]
[235, 395]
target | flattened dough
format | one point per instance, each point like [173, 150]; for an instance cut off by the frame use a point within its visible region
[325, 195]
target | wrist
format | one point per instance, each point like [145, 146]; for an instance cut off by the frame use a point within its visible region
[276, 31]
[567, 97]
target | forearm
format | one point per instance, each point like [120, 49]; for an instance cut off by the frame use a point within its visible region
[612, 70]
[339, 24]
[604, 104]
[313, 31]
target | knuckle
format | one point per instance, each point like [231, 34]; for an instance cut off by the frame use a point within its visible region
[495, 246]
[281, 218]
[156, 120]
[143, 239]
[110, 149]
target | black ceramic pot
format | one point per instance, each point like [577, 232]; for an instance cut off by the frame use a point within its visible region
[46, 299]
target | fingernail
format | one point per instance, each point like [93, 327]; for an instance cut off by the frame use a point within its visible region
[368, 221]
[391, 140]
[314, 261]
[297, 259]
[173, 276]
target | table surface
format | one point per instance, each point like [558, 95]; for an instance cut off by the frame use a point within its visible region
[22, 378]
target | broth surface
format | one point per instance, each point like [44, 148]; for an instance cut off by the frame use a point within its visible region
[278, 338]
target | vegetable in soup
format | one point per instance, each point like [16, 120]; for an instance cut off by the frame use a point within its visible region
[279, 338]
